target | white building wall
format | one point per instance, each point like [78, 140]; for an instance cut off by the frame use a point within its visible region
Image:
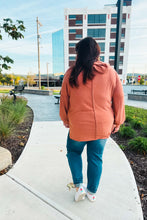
[108, 10]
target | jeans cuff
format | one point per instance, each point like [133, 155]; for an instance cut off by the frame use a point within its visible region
[78, 184]
[92, 193]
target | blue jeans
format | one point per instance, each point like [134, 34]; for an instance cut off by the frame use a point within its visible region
[95, 150]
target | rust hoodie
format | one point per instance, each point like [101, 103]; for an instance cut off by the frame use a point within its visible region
[93, 108]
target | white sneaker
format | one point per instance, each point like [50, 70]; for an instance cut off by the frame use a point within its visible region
[91, 197]
[80, 194]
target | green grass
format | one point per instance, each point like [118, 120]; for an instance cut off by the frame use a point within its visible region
[56, 92]
[135, 124]
[4, 91]
[136, 113]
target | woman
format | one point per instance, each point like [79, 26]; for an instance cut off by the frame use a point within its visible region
[91, 106]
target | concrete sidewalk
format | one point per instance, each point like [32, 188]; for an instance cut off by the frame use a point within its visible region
[36, 187]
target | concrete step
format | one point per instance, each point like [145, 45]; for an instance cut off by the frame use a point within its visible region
[5, 158]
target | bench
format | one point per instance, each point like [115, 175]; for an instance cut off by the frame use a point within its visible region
[58, 98]
[16, 89]
[139, 91]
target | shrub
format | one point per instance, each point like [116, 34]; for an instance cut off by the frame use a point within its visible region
[6, 127]
[123, 147]
[135, 123]
[18, 113]
[126, 132]
[42, 87]
[144, 131]
[138, 144]
[11, 114]
[128, 119]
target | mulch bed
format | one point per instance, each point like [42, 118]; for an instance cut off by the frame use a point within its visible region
[16, 143]
[138, 163]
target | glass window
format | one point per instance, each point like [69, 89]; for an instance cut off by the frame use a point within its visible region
[124, 20]
[72, 44]
[113, 15]
[72, 31]
[78, 36]
[122, 49]
[102, 58]
[111, 57]
[123, 35]
[72, 58]
[97, 19]
[112, 44]
[113, 30]
[72, 16]
[102, 46]
[79, 22]
[120, 62]
[97, 33]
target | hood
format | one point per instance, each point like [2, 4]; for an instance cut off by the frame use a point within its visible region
[100, 67]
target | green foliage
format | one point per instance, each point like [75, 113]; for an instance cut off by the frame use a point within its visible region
[123, 147]
[128, 119]
[135, 123]
[4, 91]
[142, 80]
[138, 144]
[42, 87]
[11, 115]
[144, 131]
[136, 113]
[14, 31]
[126, 132]
[6, 127]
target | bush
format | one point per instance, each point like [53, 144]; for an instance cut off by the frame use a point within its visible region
[126, 132]
[11, 114]
[6, 127]
[144, 131]
[128, 119]
[135, 123]
[138, 144]
[123, 147]
[42, 87]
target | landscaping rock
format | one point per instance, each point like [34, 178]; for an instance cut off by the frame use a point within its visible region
[5, 158]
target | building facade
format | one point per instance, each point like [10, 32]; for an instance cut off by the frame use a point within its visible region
[101, 25]
[58, 51]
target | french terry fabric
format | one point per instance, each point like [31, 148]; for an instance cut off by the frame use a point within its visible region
[93, 108]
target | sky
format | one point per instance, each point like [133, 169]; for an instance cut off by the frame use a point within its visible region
[51, 16]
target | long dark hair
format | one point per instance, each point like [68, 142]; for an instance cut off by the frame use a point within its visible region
[88, 52]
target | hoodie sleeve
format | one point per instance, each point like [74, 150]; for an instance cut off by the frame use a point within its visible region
[64, 100]
[118, 102]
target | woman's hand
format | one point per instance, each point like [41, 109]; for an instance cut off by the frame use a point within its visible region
[115, 128]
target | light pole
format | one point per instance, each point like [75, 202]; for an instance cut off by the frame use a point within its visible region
[38, 36]
[118, 34]
[47, 76]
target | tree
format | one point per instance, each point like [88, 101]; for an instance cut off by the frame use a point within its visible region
[142, 80]
[8, 79]
[14, 31]
[30, 79]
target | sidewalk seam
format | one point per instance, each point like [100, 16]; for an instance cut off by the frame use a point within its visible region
[45, 199]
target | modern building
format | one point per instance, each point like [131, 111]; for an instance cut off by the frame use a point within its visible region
[101, 25]
[58, 51]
